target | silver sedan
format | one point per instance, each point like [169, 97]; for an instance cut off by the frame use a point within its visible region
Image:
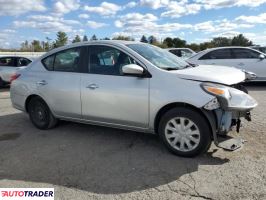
[135, 86]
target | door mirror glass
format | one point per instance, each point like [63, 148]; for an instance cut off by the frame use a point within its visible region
[261, 56]
[132, 69]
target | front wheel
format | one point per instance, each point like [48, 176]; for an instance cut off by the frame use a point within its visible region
[40, 114]
[185, 132]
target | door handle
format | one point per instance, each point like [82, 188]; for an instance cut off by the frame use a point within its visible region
[241, 64]
[93, 86]
[43, 82]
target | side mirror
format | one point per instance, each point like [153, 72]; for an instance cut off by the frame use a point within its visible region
[261, 56]
[133, 69]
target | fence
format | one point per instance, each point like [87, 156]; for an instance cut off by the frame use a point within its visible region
[23, 54]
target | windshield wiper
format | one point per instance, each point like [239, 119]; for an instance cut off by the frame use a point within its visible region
[187, 66]
[170, 69]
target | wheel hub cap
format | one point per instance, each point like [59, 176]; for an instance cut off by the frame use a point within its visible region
[182, 134]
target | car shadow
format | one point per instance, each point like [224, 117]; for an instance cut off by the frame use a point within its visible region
[90, 158]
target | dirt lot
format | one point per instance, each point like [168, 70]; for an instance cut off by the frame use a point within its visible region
[90, 162]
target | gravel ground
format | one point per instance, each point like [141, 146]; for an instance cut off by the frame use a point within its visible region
[90, 162]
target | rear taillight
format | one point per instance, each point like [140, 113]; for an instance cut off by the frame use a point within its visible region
[14, 77]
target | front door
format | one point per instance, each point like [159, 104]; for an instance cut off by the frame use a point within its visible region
[108, 95]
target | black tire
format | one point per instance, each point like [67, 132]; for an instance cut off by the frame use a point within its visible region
[40, 114]
[201, 125]
[1, 83]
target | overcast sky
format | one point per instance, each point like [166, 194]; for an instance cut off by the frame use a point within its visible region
[192, 20]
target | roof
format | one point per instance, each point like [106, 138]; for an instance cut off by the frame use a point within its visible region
[96, 42]
[124, 42]
[228, 47]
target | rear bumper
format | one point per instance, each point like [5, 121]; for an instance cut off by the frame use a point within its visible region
[18, 101]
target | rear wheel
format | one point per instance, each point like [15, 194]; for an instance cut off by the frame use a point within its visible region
[1, 83]
[185, 132]
[40, 114]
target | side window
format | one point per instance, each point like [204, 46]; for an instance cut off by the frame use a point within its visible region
[64, 61]
[107, 60]
[245, 54]
[7, 61]
[186, 53]
[217, 54]
[23, 62]
[67, 61]
[176, 52]
[48, 63]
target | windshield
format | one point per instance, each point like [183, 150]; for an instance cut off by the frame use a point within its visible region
[159, 57]
[262, 49]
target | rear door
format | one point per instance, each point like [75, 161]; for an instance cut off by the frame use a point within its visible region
[109, 96]
[59, 85]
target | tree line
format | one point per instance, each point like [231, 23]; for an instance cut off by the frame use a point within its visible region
[168, 42]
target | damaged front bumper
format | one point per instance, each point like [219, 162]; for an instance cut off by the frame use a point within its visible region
[229, 108]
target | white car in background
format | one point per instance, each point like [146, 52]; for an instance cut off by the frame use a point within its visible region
[240, 57]
[9, 65]
[259, 48]
[183, 53]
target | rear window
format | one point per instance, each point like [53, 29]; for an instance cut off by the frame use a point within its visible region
[23, 62]
[7, 61]
[48, 63]
[176, 52]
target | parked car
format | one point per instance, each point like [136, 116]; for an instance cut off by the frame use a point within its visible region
[135, 86]
[182, 52]
[9, 65]
[259, 48]
[240, 57]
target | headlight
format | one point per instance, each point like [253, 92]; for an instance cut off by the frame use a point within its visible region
[228, 98]
[216, 90]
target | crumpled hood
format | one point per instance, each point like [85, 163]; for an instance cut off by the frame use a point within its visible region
[211, 73]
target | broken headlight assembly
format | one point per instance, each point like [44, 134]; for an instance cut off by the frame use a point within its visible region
[228, 98]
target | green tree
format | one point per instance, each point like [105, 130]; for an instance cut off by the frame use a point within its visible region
[121, 37]
[85, 38]
[194, 47]
[144, 39]
[93, 37]
[177, 42]
[152, 39]
[25, 46]
[168, 42]
[76, 39]
[61, 39]
[221, 42]
[205, 45]
[36, 46]
[47, 46]
[241, 40]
